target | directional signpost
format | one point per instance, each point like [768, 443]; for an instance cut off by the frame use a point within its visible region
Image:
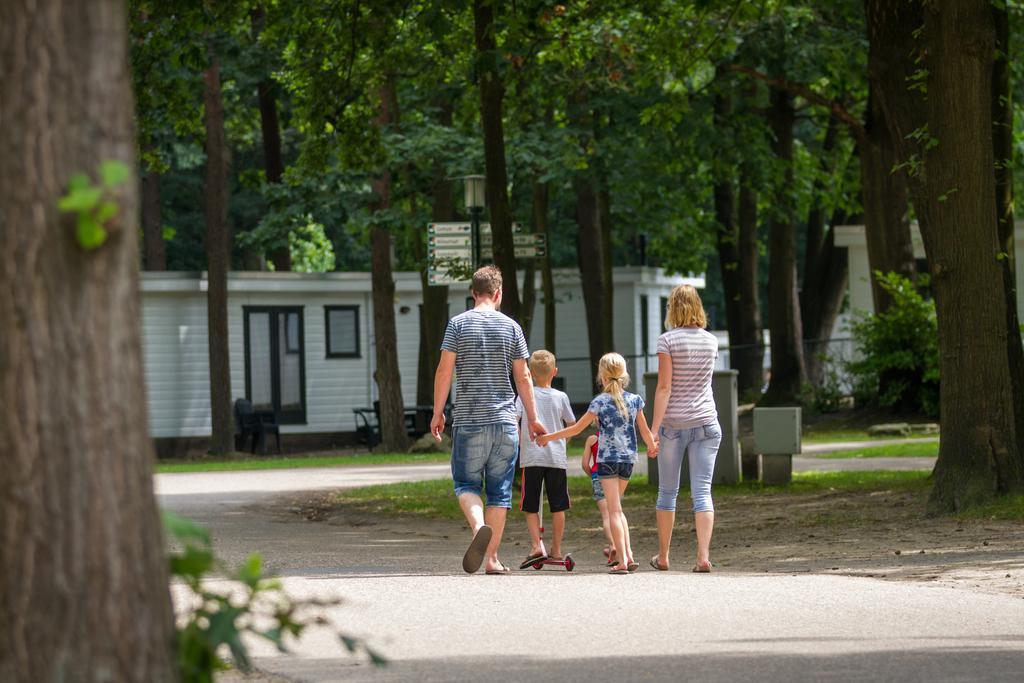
[450, 249]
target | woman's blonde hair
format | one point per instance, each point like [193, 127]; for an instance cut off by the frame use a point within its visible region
[685, 309]
[614, 378]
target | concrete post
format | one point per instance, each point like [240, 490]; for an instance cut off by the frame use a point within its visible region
[727, 464]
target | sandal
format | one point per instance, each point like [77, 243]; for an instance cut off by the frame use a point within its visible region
[706, 569]
[632, 567]
[618, 569]
[498, 572]
[655, 565]
[532, 560]
[474, 556]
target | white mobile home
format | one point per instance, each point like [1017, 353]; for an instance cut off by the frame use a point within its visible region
[304, 343]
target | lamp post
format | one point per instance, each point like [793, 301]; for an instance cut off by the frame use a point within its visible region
[475, 202]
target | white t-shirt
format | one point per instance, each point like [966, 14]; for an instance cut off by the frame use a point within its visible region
[693, 353]
[555, 413]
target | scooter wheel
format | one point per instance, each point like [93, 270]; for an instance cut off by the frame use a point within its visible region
[539, 565]
[570, 563]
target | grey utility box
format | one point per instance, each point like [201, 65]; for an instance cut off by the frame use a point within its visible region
[727, 464]
[776, 439]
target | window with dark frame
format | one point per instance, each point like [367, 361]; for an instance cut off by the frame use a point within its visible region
[645, 332]
[664, 313]
[341, 324]
[275, 366]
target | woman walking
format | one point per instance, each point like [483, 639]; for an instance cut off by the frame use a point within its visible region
[685, 421]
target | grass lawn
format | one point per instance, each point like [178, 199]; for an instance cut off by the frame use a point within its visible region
[895, 450]
[435, 499]
[285, 463]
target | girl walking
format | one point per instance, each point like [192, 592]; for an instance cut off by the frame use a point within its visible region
[618, 413]
[686, 421]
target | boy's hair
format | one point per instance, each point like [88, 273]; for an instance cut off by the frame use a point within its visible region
[614, 378]
[685, 309]
[486, 281]
[542, 364]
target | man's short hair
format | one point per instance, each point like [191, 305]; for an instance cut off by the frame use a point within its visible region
[542, 364]
[486, 281]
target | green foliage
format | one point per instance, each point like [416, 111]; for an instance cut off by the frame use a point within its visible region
[94, 206]
[899, 363]
[215, 623]
[311, 251]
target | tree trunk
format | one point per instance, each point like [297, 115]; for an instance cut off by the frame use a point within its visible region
[955, 197]
[218, 260]
[273, 163]
[1002, 144]
[824, 271]
[154, 251]
[492, 92]
[788, 373]
[387, 376]
[727, 233]
[748, 358]
[434, 314]
[547, 280]
[83, 574]
[885, 198]
[604, 209]
[588, 250]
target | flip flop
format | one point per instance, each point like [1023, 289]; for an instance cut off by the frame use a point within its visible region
[655, 565]
[632, 566]
[532, 560]
[697, 569]
[497, 572]
[474, 556]
[618, 571]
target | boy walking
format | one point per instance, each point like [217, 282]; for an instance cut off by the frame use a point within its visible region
[544, 465]
[484, 347]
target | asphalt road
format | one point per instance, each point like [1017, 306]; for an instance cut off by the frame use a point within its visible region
[403, 591]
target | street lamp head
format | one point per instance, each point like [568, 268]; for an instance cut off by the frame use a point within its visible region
[475, 197]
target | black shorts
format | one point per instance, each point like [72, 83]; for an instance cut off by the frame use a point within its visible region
[555, 484]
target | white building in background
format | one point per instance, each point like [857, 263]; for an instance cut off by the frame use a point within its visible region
[852, 237]
[304, 343]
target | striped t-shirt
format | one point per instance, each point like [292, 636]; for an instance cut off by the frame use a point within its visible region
[693, 353]
[484, 343]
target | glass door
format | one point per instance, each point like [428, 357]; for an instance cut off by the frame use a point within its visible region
[275, 368]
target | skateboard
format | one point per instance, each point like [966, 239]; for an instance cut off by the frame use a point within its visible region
[566, 562]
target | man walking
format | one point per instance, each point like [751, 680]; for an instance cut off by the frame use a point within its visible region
[484, 347]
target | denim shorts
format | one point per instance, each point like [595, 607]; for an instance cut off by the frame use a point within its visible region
[598, 491]
[612, 470]
[484, 461]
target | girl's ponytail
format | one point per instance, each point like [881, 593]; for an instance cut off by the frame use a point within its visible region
[611, 372]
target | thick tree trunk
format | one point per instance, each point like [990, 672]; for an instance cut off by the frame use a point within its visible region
[788, 373]
[955, 196]
[588, 250]
[83, 575]
[492, 92]
[218, 260]
[747, 356]
[154, 252]
[387, 376]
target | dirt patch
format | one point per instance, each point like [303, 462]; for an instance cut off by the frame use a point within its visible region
[880, 534]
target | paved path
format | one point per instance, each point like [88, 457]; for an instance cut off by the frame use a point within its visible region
[404, 592]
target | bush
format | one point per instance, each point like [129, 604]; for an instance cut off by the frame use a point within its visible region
[211, 624]
[898, 364]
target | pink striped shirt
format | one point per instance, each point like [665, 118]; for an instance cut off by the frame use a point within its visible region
[693, 353]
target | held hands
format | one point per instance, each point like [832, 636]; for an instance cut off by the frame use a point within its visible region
[437, 426]
[652, 449]
[537, 430]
